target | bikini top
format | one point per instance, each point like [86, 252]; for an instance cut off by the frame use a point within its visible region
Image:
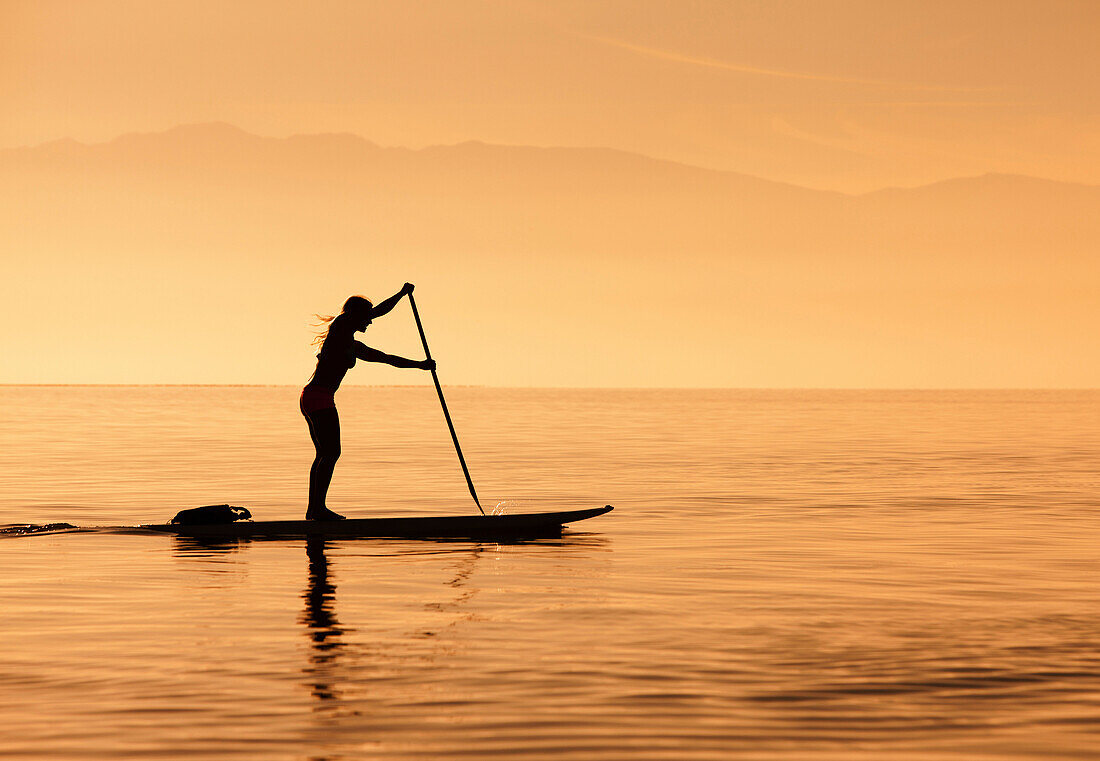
[344, 356]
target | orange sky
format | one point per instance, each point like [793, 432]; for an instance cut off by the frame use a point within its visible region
[851, 95]
[198, 254]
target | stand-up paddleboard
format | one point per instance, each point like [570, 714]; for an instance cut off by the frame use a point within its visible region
[449, 526]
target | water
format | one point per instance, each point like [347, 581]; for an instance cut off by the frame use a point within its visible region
[787, 575]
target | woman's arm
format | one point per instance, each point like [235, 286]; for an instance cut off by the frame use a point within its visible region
[364, 352]
[385, 306]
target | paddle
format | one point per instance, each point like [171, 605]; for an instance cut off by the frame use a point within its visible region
[443, 402]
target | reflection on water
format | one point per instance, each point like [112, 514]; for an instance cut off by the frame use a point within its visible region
[337, 659]
[206, 546]
[322, 626]
[804, 576]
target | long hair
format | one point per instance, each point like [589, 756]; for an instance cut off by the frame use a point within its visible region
[354, 304]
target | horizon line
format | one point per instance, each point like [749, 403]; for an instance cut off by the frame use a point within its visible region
[561, 388]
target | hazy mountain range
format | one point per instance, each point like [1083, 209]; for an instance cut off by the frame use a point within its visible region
[198, 255]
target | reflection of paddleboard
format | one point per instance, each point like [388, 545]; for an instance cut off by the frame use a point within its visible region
[461, 526]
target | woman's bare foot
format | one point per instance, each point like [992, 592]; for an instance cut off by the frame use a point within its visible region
[322, 514]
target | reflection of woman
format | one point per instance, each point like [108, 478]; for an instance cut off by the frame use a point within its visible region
[339, 350]
[320, 619]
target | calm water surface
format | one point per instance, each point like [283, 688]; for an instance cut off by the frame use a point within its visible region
[787, 575]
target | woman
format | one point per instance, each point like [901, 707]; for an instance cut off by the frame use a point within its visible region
[339, 350]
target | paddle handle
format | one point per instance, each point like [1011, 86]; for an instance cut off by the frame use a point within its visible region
[443, 403]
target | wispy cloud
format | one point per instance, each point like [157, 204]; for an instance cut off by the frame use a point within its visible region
[714, 63]
[952, 103]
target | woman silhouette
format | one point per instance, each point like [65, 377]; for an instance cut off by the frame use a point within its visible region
[339, 350]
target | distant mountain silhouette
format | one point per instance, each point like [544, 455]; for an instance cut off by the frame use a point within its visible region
[201, 143]
[545, 229]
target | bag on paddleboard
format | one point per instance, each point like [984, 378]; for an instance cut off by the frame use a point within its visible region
[206, 514]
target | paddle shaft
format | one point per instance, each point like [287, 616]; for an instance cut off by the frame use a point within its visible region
[443, 403]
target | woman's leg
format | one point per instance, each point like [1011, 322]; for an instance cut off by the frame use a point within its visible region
[324, 429]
